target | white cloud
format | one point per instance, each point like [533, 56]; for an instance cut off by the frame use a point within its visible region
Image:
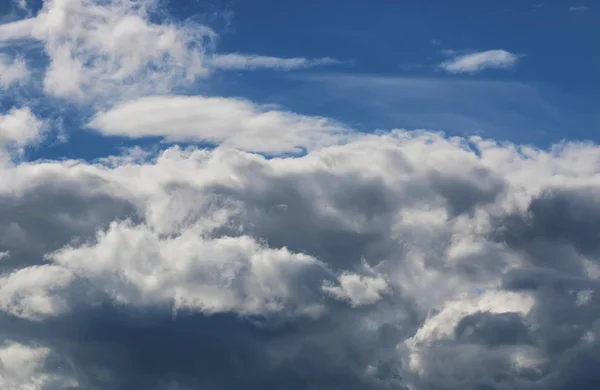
[18, 30]
[106, 49]
[231, 122]
[135, 266]
[34, 292]
[22, 368]
[19, 128]
[237, 61]
[357, 289]
[12, 71]
[19, 365]
[578, 8]
[476, 62]
[102, 52]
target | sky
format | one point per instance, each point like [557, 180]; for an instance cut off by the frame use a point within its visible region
[299, 195]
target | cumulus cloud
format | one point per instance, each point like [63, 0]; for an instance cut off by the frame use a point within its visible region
[23, 367]
[476, 62]
[105, 51]
[101, 48]
[232, 122]
[357, 289]
[19, 128]
[402, 260]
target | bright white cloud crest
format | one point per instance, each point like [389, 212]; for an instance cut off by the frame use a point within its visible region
[397, 260]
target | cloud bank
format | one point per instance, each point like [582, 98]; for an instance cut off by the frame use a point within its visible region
[403, 260]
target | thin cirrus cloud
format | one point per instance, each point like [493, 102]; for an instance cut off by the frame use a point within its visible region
[237, 61]
[578, 8]
[477, 62]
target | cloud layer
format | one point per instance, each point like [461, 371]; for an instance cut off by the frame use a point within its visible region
[405, 260]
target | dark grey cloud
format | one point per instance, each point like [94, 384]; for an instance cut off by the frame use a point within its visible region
[53, 213]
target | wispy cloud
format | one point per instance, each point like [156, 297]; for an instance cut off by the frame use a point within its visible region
[578, 8]
[476, 62]
[12, 71]
[238, 61]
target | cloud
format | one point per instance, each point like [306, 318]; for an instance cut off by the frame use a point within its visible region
[17, 30]
[23, 366]
[357, 289]
[104, 52]
[12, 71]
[135, 267]
[231, 122]
[237, 61]
[476, 62]
[399, 260]
[99, 49]
[19, 128]
[578, 8]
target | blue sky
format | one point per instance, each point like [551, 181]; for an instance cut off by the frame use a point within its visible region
[388, 75]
